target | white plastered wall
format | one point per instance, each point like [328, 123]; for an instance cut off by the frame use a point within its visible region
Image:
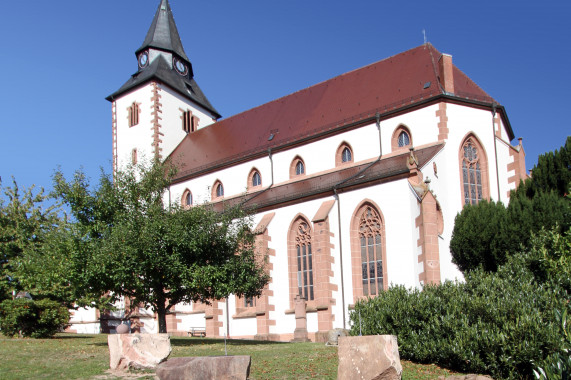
[172, 107]
[139, 136]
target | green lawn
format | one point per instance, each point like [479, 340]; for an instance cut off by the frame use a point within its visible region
[71, 356]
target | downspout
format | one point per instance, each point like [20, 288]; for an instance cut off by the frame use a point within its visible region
[340, 254]
[227, 318]
[338, 199]
[496, 151]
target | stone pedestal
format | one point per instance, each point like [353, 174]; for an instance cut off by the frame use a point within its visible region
[300, 332]
[142, 351]
[369, 357]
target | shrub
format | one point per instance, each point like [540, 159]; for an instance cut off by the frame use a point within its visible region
[558, 365]
[37, 319]
[498, 323]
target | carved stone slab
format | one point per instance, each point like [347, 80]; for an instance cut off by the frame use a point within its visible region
[369, 357]
[142, 351]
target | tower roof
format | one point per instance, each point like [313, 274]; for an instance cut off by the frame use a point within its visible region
[163, 34]
[160, 70]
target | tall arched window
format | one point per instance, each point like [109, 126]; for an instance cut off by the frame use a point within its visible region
[301, 259]
[473, 171]
[401, 138]
[371, 252]
[368, 251]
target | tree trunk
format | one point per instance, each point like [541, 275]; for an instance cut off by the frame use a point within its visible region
[162, 315]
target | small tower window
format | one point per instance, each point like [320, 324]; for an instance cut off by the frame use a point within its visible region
[189, 121]
[133, 111]
[134, 156]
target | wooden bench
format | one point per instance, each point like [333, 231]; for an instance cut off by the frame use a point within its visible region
[197, 331]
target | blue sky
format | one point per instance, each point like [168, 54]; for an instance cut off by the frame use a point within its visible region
[59, 60]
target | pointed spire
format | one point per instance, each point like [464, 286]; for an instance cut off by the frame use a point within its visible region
[163, 34]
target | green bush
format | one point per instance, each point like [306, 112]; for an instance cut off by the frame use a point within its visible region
[37, 319]
[498, 323]
[558, 365]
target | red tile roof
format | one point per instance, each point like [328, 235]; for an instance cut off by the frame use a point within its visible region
[381, 87]
[344, 179]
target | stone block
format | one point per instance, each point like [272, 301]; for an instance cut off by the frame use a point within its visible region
[142, 351]
[369, 357]
[333, 336]
[205, 368]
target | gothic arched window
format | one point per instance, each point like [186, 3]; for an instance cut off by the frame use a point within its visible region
[368, 256]
[344, 154]
[187, 198]
[371, 252]
[256, 179]
[297, 167]
[302, 260]
[401, 138]
[217, 190]
[474, 171]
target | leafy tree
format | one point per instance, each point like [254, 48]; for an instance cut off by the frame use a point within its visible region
[128, 242]
[27, 224]
[552, 172]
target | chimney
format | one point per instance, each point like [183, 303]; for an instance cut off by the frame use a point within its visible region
[446, 74]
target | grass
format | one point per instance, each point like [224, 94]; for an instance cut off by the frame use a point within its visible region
[71, 356]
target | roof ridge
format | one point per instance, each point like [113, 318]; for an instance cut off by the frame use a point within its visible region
[428, 44]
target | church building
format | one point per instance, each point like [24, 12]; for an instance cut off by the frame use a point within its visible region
[355, 181]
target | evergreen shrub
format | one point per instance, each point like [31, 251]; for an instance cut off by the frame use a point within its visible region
[32, 318]
[497, 323]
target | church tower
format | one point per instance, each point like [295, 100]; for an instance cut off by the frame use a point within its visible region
[161, 103]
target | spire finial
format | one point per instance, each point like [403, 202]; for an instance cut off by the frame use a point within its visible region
[163, 33]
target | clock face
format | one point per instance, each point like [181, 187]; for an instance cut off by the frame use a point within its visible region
[180, 66]
[143, 59]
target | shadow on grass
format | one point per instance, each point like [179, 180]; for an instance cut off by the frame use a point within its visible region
[63, 336]
[185, 342]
